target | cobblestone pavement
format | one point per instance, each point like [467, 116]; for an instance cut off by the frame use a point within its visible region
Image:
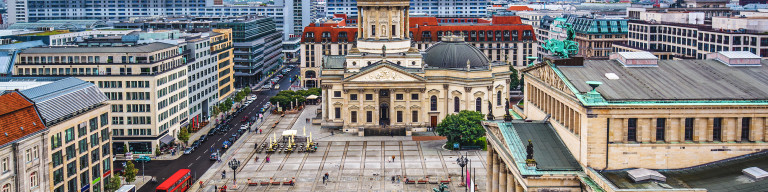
[353, 163]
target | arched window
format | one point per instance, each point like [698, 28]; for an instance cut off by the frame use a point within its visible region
[478, 105]
[456, 106]
[498, 98]
[33, 179]
[433, 103]
[7, 188]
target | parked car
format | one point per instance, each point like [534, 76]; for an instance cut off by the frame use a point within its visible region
[143, 158]
[225, 145]
[265, 86]
[188, 150]
[245, 118]
[214, 156]
[195, 144]
[203, 138]
[212, 131]
[277, 87]
[253, 97]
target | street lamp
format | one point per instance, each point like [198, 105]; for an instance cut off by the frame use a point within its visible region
[234, 164]
[462, 160]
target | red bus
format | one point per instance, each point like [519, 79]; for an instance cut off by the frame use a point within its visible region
[179, 181]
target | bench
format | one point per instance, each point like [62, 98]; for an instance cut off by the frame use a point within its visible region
[422, 182]
[253, 184]
[445, 181]
[410, 182]
[264, 183]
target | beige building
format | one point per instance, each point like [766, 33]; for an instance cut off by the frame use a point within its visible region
[80, 152]
[221, 46]
[146, 86]
[384, 85]
[619, 124]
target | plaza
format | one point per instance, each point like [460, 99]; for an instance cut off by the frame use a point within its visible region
[353, 163]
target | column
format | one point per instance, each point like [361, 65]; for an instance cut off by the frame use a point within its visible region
[403, 27]
[502, 176]
[360, 23]
[495, 187]
[392, 114]
[389, 23]
[489, 169]
[376, 22]
[510, 181]
[376, 107]
[361, 111]
[729, 130]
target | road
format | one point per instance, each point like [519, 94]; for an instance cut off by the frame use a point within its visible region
[198, 161]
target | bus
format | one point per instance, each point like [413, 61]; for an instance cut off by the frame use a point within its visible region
[127, 188]
[178, 182]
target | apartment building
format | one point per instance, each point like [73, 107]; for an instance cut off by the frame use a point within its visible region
[79, 156]
[256, 41]
[146, 86]
[290, 16]
[501, 39]
[23, 166]
[435, 8]
[685, 40]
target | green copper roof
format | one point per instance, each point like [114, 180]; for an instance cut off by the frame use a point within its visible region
[550, 152]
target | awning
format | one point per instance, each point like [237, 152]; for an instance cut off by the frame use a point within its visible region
[312, 97]
[166, 139]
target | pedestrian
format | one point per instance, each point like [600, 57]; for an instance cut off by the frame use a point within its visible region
[331, 132]
[323, 180]
[259, 130]
[201, 184]
[224, 188]
[267, 159]
[215, 187]
[393, 179]
[393, 158]
[223, 174]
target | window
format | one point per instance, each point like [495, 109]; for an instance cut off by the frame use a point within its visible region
[353, 97]
[93, 124]
[71, 169]
[5, 164]
[56, 141]
[456, 105]
[35, 154]
[57, 159]
[415, 96]
[337, 94]
[71, 152]
[433, 103]
[399, 116]
[83, 145]
[72, 185]
[69, 134]
[353, 116]
[478, 104]
[660, 128]
[368, 97]
[104, 119]
[58, 176]
[498, 98]
[84, 179]
[7, 188]
[33, 179]
[81, 130]
[745, 128]
[717, 126]
[28, 155]
[415, 116]
[398, 96]
[94, 139]
[369, 116]
[632, 129]
[688, 129]
[337, 112]
[83, 161]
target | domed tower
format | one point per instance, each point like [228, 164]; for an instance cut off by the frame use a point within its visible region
[383, 23]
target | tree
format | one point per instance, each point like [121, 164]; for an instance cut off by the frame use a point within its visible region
[247, 90]
[239, 96]
[157, 150]
[184, 135]
[113, 183]
[522, 83]
[463, 127]
[130, 172]
[515, 80]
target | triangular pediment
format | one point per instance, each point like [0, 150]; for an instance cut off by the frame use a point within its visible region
[384, 73]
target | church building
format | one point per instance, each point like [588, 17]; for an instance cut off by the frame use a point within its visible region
[384, 85]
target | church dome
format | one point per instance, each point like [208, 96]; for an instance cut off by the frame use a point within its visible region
[453, 53]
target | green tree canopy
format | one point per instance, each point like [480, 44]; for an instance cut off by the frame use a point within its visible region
[247, 90]
[464, 127]
[113, 184]
[515, 80]
[130, 172]
[184, 135]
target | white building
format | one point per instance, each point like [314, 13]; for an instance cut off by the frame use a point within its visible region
[443, 8]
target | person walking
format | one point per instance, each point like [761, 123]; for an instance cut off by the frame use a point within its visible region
[223, 174]
[259, 130]
[323, 180]
[393, 158]
[215, 188]
[267, 159]
[201, 185]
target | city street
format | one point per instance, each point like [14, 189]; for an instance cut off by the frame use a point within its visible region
[199, 160]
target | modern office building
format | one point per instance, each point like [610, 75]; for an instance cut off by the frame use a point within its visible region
[290, 16]
[500, 39]
[221, 48]
[451, 8]
[684, 40]
[146, 86]
[23, 158]
[257, 42]
[80, 152]
[66, 37]
[624, 125]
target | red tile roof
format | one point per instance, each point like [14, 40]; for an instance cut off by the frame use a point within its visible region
[16, 112]
[519, 8]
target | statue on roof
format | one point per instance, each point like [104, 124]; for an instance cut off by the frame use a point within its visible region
[565, 48]
[529, 154]
[507, 116]
[490, 111]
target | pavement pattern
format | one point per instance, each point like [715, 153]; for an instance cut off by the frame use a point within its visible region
[353, 163]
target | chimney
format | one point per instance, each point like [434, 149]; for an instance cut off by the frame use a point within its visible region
[635, 59]
[736, 58]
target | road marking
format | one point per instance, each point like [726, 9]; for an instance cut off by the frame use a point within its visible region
[198, 157]
[190, 165]
[219, 139]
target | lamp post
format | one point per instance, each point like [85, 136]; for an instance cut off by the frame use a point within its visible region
[462, 161]
[234, 164]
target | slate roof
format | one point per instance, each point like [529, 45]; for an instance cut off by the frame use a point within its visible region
[152, 47]
[18, 118]
[719, 176]
[454, 55]
[334, 61]
[672, 80]
[65, 98]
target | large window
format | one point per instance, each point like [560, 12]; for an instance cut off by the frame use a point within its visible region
[368, 97]
[399, 116]
[478, 105]
[717, 127]
[689, 129]
[498, 98]
[337, 112]
[415, 96]
[353, 116]
[69, 134]
[632, 129]
[353, 97]
[56, 141]
[58, 176]
[660, 128]
[33, 182]
[57, 158]
[433, 103]
[415, 116]
[369, 116]
[456, 104]
[745, 128]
